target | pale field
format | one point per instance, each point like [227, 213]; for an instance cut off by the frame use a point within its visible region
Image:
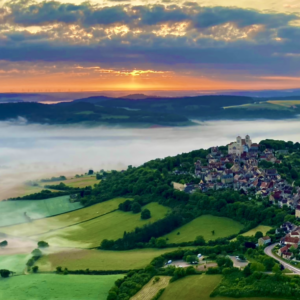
[286, 103]
[151, 289]
[45, 225]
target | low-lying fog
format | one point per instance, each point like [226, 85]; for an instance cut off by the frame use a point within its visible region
[31, 151]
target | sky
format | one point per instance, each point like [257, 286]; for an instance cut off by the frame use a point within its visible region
[211, 45]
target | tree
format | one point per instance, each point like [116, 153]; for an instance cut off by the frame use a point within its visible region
[213, 232]
[30, 262]
[257, 267]
[3, 244]
[160, 243]
[269, 263]
[276, 269]
[136, 207]
[192, 258]
[91, 172]
[258, 235]
[146, 214]
[199, 241]
[35, 269]
[37, 253]
[5, 273]
[42, 244]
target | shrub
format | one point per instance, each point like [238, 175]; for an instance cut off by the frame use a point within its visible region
[42, 244]
[35, 269]
[146, 214]
[5, 273]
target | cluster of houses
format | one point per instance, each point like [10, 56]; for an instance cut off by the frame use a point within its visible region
[238, 170]
[291, 240]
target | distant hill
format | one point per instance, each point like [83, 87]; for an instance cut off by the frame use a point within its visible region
[138, 97]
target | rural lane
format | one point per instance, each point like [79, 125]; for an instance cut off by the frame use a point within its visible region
[268, 251]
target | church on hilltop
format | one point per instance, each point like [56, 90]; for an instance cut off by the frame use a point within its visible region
[241, 146]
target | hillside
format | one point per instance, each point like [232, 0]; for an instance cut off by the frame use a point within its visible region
[146, 111]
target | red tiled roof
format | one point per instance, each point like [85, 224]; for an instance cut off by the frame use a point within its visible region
[291, 240]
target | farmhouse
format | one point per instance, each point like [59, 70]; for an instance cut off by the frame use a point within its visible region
[264, 240]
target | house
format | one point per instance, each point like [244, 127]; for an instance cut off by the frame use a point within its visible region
[297, 211]
[227, 179]
[264, 240]
[178, 186]
[284, 252]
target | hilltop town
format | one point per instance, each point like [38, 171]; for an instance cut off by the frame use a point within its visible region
[238, 169]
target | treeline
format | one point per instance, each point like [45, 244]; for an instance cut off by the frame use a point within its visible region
[63, 187]
[44, 194]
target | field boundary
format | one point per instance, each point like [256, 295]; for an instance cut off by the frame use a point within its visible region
[53, 230]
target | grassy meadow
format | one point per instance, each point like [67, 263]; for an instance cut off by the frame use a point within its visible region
[87, 180]
[15, 263]
[58, 287]
[285, 103]
[261, 228]
[111, 226]
[204, 226]
[150, 289]
[12, 212]
[76, 259]
[198, 287]
[53, 223]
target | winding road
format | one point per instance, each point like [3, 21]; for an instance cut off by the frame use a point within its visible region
[268, 251]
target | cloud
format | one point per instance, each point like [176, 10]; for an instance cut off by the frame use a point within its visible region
[172, 37]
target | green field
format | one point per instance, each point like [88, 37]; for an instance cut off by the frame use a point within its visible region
[204, 226]
[261, 228]
[198, 287]
[15, 263]
[12, 212]
[58, 287]
[111, 226]
[150, 289]
[76, 259]
[285, 103]
[260, 105]
[67, 219]
[87, 180]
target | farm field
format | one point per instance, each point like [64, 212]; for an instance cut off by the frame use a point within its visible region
[198, 287]
[111, 226]
[12, 212]
[59, 287]
[15, 263]
[76, 259]
[204, 226]
[261, 228]
[150, 289]
[45, 225]
[271, 105]
[285, 103]
[25, 189]
[75, 182]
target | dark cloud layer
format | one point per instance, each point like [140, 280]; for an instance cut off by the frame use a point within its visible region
[216, 36]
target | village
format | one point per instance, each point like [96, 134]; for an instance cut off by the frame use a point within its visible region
[239, 170]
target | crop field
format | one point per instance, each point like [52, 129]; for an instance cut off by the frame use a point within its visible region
[58, 287]
[15, 263]
[111, 226]
[76, 259]
[204, 226]
[151, 289]
[272, 105]
[198, 287]
[13, 212]
[76, 182]
[53, 223]
[287, 103]
[261, 228]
